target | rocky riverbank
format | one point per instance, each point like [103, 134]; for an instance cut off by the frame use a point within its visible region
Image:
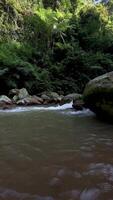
[21, 97]
[97, 96]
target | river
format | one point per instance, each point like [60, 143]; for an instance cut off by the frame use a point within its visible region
[55, 153]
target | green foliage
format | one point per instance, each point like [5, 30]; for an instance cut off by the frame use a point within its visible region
[17, 71]
[54, 45]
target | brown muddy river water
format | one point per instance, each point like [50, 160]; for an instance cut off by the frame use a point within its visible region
[55, 154]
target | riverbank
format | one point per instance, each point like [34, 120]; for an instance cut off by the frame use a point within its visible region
[21, 97]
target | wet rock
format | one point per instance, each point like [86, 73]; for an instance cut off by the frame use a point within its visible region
[19, 94]
[105, 170]
[71, 97]
[55, 182]
[90, 194]
[5, 100]
[15, 98]
[23, 93]
[5, 107]
[51, 97]
[13, 92]
[20, 102]
[45, 98]
[22, 97]
[38, 99]
[61, 97]
[55, 97]
[31, 100]
[78, 104]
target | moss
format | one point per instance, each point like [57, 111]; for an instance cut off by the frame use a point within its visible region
[107, 109]
[98, 96]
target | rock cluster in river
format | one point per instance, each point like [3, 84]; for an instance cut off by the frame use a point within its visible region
[21, 97]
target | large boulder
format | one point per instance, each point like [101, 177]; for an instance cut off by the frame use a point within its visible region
[98, 95]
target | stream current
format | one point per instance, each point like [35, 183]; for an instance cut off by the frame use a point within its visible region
[55, 153]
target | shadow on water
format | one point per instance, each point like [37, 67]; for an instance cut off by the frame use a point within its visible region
[55, 155]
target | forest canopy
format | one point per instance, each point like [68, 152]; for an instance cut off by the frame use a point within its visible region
[54, 45]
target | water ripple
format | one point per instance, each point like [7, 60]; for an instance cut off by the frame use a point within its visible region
[12, 194]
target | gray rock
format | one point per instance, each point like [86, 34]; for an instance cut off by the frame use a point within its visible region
[45, 97]
[5, 99]
[15, 98]
[78, 104]
[98, 96]
[20, 102]
[71, 97]
[18, 94]
[51, 97]
[31, 100]
[13, 92]
[55, 97]
[38, 99]
[23, 93]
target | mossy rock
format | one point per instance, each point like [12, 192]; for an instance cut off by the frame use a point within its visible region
[71, 97]
[98, 96]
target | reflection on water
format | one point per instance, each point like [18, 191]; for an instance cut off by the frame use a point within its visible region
[55, 155]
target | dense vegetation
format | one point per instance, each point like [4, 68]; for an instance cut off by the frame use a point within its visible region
[54, 45]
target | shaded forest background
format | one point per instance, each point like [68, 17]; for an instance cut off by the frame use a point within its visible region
[54, 45]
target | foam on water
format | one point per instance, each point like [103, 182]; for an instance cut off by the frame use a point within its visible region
[84, 112]
[65, 109]
[33, 108]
